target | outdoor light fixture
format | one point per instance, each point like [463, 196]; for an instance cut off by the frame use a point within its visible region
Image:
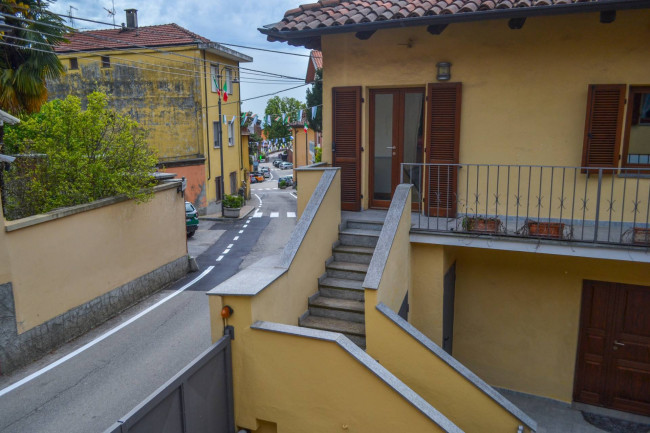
[444, 71]
[226, 312]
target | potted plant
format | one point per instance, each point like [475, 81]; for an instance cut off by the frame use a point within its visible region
[641, 236]
[481, 224]
[553, 230]
[232, 205]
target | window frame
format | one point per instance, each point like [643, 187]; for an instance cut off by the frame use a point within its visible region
[229, 78]
[214, 72]
[632, 90]
[231, 134]
[216, 130]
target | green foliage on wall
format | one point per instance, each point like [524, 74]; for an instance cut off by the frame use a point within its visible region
[71, 156]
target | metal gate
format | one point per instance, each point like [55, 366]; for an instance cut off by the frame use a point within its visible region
[198, 399]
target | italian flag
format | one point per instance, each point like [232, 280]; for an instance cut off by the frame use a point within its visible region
[306, 127]
[216, 85]
[225, 91]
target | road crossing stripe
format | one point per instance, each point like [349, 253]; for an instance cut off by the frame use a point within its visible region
[235, 238]
[226, 251]
[241, 231]
[275, 214]
[291, 214]
[230, 246]
[257, 215]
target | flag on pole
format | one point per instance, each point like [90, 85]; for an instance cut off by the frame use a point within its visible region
[306, 127]
[216, 84]
[225, 91]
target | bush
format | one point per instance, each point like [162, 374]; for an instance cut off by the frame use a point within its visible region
[318, 154]
[73, 156]
[282, 184]
[233, 201]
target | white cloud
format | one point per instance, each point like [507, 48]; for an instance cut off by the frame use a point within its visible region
[220, 21]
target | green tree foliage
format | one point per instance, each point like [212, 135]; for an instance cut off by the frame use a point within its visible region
[314, 99]
[72, 156]
[276, 106]
[30, 58]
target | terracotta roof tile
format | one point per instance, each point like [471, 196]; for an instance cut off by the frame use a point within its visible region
[151, 36]
[330, 13]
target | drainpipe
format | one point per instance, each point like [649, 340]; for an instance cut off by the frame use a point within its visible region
[207, 126]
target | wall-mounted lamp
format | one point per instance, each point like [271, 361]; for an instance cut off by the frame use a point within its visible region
[444, 71]
[226, 311]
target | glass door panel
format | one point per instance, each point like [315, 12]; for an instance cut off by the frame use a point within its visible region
[412, 140]
[383, 146]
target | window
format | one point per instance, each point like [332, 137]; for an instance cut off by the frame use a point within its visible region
[636, 148]
[216, 130]
[231, 134]
[74, 64]
[233, 183]
[218, 184]
[106, 62]
[214, 71]
[229, 80]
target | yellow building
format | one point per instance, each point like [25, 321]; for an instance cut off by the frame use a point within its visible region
[164, 77]
[522, 131]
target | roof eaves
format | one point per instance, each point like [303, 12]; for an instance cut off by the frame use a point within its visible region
[228, 53]
[517, 12]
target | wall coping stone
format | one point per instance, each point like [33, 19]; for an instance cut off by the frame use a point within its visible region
[386, 237]
[367, 361]
[67, 211]
[317, 166]
[457, 366]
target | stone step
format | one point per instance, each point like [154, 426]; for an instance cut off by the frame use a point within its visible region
[359, 237]
[347, 270]
[341, 288]
[354, 331]
[352, 253]
[364, 225]
[337, 308]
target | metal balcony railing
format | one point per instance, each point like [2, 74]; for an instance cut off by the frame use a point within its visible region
[597, 205]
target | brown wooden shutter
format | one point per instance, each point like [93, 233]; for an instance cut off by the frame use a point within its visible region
[443, 139]
[346, 144]
[603, 125]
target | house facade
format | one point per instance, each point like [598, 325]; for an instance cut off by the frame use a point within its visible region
[521, 128]
[164, 77]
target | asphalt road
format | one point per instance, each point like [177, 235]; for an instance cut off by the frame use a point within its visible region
[93, 388]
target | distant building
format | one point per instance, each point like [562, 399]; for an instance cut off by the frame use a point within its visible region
[164, 77]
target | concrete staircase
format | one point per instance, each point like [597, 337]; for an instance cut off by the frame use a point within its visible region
[338, 306]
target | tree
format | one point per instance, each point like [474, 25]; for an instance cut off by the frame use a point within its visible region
[72, 157]
[29, 60]
[277, 106]
[315, 99]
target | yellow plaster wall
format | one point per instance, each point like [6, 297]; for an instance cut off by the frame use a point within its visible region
[60, 264]
[433, 379]
[300, 148]
[516, 314]
[524, 92]
[307, 179]
[5, 257]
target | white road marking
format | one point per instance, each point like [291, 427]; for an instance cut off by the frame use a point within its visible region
[293, 194]
[230, 246]
[257, 214]
[226, 251]
[291, 214]
[241, 231]
[245, 225]
[102, 337]
[258, 197]
[235, 238]
[219, 258]
[275, 214]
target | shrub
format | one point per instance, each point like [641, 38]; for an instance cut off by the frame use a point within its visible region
[233, 201]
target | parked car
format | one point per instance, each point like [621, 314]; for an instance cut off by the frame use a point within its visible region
[258, 176]
[253, 179]
[191, 219]
[277, 162]
[286, 165]
[288, 181]
[266, 172]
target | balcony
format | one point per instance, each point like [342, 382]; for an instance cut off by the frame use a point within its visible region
[574, 205]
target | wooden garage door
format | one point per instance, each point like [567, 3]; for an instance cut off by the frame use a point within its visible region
[613, 367]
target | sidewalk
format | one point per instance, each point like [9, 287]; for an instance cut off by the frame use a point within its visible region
[214, 212]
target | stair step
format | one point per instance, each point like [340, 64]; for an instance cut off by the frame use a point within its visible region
[367, 225]
[334, 325]
[341, 288]
[359, 237]
[336, 308]
[352, 253]
[348, 270]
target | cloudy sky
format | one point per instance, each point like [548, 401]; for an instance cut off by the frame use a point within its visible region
[223, 21]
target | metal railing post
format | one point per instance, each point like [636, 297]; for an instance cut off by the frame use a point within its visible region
[597, 217]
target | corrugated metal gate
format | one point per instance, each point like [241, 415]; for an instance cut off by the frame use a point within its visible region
[198, 399]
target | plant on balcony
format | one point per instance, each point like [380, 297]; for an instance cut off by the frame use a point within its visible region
[481, 224]
[232, 205]
[554, 230]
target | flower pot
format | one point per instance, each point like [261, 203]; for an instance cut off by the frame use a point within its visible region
[546, 230]
[231, 212]
[641, 236]
[483, 225]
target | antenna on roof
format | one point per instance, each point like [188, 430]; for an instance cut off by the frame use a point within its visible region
[111, 12]
[70, 14]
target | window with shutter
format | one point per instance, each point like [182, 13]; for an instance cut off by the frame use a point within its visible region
[636, 145]
[443, 139]
[346, 145]
[603, 126]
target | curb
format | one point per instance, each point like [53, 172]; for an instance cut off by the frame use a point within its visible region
[209, 218]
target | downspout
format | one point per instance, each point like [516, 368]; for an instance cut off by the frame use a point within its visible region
[207, 126]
